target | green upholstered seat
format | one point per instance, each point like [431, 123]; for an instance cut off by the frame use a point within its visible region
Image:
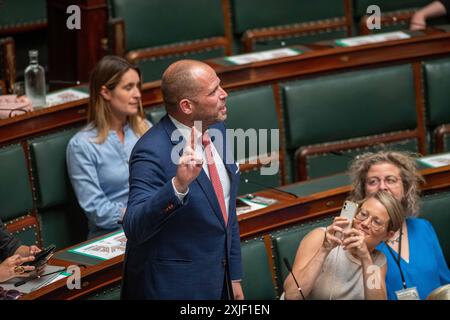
[170, 25]
[436, 74]
[268, 15]
[16, 198]
[25, 21]
[257, 277]
[252, 112]
[62, 221]
[342, 112]
[285, 244]
[435, 208]
[154, 114]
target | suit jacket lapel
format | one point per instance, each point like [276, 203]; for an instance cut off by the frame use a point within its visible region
[202, 179]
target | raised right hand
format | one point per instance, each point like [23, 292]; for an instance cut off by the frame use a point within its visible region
[189, 166]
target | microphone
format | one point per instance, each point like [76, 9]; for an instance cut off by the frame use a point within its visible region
[269, 187]
[22, 282]
[75, 82]
[288, 266]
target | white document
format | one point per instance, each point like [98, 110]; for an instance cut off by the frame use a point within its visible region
[37, 283]
[262, 56]
[105, 248]
[64, 96]
[253, 204]
[435, 161]
[382, 37]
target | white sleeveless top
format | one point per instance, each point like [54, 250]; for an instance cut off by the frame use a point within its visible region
[342, 277]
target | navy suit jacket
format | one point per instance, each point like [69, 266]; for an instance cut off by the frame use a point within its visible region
[176, 250]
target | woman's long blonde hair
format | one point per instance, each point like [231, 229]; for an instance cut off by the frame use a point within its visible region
[108, 72]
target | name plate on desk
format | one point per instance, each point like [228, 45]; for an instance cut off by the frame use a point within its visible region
[263, 55]
[105, 248]
[359, 41]
[435, 161]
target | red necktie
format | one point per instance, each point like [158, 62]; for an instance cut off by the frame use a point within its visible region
[214, 175]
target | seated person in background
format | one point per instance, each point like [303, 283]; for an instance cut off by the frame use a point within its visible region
[434, 9]
[97, 156]
[13, 255]
[422, 262]
[347, 266]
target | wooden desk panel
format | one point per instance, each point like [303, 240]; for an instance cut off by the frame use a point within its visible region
[286, 212]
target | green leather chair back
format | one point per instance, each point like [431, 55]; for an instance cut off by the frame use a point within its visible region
[156, 23]
[159, 22]
[344, 107]
[435, 208]
[436, 74]
[154, 114]
[16, 198]
[62, 221]
[286, 242]
[17, 13]
[257, 277]
[258, 14]
[251, 110]
[153, 69]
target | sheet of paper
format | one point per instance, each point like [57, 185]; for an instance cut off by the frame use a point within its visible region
[254, 203]
[435, 161]
[64, 96]
[262, 56]
[37, 283]
[105, 248]
[358, 41]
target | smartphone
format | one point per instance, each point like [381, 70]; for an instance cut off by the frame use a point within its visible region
[42, 257]
[348, 210]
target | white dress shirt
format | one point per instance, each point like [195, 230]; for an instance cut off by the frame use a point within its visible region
[223, 174]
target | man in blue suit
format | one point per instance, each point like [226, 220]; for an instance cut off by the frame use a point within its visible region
[181, 224]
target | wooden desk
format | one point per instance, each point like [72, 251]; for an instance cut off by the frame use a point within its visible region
[320, 59]
[287, 211]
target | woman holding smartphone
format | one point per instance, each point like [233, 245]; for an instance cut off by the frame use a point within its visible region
[338, 262]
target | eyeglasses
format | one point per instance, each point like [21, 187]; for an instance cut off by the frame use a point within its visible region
[10, 294]
[375, 223]
[390, 181]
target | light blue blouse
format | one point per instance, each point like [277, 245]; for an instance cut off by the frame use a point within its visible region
[99, 175]
[426, 269]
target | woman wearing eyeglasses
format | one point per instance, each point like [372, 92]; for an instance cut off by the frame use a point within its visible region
[13, 255]
[416, 264]
[342, 263]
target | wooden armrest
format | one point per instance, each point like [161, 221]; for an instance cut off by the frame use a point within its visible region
[173, 49]
[439, 133]
[8, 63]
[388, 19]
[302, 153]
[251, 36]
[117, 36]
